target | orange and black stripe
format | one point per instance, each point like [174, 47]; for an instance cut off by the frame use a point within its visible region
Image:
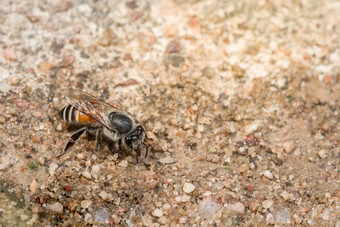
[71, 115]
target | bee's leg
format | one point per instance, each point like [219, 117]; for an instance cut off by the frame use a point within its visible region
[99, 139]
[138, 153]
[73, 139]
[146, 149]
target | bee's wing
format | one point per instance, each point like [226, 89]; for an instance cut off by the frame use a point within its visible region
[91, 106]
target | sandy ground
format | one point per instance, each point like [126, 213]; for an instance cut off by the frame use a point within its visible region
[241, 100]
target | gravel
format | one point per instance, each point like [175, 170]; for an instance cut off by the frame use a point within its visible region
[239, 100]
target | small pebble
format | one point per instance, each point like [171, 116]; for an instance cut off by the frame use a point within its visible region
[68, 187]
[67, 61]
[87, 174]
[5, 162]
[325, 127]
[166, 206]
[249, 187]
[41, 160]
[282, 216]
[175, 60]
[59, 127]
[80, 156]
[188, 188]
[88, 163]
[24, 217]
[183, 220]
[267, 204]
[268, 174]
[34, 186]
[104, 195]
[322, 154]
[325, 215]
[88, 218]
[208, 207]
[162, 220]
[208, 72]
[101, 216]
[237, 207]
[4, 86]
[157, 213]
[243, 168]
[318, 136]
[123, 164]
[173, 47]
[55, 207]
[85, 204]
[107, 38]
[44, 67]
[147, 220]
[115, 218]
[52, 167]
[288, 146]
[285, 195]
[95, 171]
[270, 218]
[167, 160]
[22, 104]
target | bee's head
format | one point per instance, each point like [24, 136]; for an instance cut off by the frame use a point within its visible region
[135, 138]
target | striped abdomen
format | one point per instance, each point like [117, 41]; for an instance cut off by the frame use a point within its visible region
[74, 116]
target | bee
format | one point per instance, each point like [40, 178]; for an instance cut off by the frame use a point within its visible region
[104, 121]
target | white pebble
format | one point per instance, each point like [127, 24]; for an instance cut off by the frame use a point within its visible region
[87, 174]
[270, 218]
[283, 216]
[267, 204]
[318, 136]
[188, 188]
[157, 213]
[167, 160]
[104, 195]
[80, 156]
[268, 174]
[59, 127]
[4, 86]
[123, 164]
[322, 154]
[288, 146]
[88, 218]
[85, 204]
[52, 168]
[237, 207]
[326, 214]
[166, 206]
[55, 207]
[95, 171]
[285, 195]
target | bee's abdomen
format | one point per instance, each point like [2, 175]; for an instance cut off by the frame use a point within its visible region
[69, 114]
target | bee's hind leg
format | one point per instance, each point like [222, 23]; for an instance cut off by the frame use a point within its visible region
[73, 139]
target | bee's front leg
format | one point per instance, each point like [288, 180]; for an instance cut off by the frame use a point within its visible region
[99, 139]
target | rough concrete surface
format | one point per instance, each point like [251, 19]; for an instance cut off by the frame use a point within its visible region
[241, 101]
